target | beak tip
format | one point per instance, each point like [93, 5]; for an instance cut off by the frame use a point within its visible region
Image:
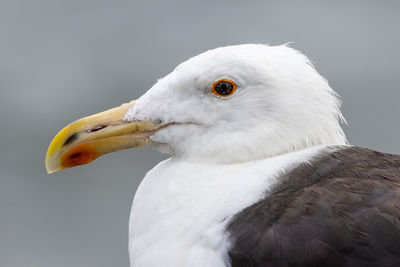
[51, 167]
[50, 170]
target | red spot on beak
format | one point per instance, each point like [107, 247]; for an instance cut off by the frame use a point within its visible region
[79, 155]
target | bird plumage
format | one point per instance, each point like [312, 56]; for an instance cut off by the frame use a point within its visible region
[340, 209]
[263, 177]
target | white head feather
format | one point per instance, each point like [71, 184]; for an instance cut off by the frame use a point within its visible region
[281, 104]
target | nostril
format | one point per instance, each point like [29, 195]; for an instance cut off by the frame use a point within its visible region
[96, 128]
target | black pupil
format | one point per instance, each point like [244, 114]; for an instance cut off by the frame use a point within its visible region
[224, 88]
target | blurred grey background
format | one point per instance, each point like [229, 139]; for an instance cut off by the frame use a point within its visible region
[63, 59]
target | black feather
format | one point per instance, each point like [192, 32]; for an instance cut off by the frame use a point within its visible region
[342, 210]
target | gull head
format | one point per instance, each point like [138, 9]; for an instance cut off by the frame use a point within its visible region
[230, 104]
[241, 103]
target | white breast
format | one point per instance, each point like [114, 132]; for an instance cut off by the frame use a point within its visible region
[180, 209]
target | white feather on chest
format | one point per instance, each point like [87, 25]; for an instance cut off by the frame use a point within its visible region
[180, 209]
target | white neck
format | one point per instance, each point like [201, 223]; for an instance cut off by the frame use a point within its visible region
[180, 209]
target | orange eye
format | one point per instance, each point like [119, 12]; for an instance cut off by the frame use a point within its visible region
[223, 88]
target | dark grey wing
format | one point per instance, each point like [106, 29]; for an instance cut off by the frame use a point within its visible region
[342, 210]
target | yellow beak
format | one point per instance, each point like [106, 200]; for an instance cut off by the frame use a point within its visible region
[88, 138]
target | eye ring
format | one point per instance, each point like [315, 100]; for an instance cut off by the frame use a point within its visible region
[224, 88]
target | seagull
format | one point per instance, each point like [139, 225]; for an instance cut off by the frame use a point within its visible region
[260, 172]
